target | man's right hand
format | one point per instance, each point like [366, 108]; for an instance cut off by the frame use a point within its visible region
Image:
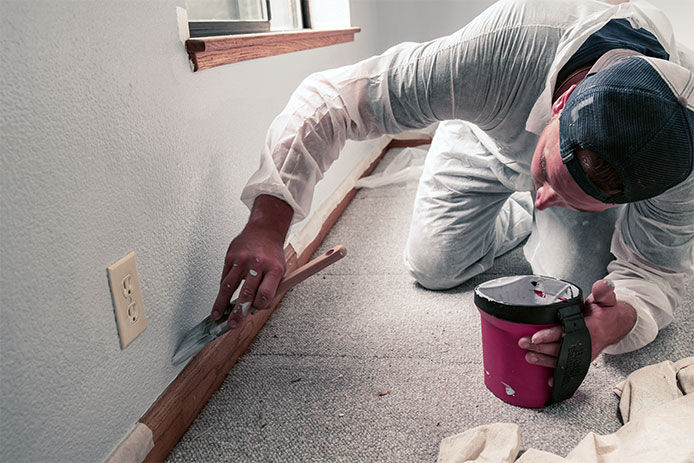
[607, 319]
[256, 255]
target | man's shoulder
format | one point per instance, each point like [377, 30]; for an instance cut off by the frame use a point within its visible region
[520, 15]
[551, 13]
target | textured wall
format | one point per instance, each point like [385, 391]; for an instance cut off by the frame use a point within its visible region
[109, 143]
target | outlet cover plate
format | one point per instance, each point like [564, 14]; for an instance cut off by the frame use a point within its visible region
[127, 299]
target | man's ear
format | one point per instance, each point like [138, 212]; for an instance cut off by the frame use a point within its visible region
[558, 105]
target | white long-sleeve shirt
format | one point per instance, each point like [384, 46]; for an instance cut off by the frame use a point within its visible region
[497, 72]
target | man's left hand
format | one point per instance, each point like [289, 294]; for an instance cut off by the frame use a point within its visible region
[608, 321]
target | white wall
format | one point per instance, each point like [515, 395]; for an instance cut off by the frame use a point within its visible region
[421, 20]
[680, 13]
[109, 143]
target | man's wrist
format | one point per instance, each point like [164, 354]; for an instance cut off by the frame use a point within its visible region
[616, 323]
[272, 215]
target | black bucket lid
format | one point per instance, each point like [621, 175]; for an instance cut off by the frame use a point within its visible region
[531, 299]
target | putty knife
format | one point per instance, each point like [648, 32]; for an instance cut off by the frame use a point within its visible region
[208, 330]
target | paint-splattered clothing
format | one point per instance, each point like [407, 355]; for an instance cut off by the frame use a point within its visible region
[497, 73]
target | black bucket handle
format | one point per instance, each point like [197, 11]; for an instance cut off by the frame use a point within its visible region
[574, 356]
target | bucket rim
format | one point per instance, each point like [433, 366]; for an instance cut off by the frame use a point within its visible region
[525, 313]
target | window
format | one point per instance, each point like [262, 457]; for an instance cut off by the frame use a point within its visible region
[286, 15]
[227, 31]
[225, 17]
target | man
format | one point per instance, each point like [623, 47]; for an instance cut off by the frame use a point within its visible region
[586, 105]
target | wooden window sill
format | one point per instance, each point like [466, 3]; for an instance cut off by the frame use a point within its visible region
[208, 52]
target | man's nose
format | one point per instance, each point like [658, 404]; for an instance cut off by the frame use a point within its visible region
[546, 197]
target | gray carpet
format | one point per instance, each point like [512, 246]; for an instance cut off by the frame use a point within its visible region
[360, 364]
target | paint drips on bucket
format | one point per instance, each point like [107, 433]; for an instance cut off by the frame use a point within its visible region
[509, 389]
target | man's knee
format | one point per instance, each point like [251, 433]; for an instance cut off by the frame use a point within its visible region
[430, 275]
[433, 269]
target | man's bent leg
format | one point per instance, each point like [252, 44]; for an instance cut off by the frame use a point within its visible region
[463, 215]
[572, 246]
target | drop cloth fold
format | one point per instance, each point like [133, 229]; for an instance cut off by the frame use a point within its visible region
[657, 406]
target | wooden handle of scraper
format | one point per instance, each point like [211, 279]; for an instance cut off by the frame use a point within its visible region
[314, 266]
[295, 277]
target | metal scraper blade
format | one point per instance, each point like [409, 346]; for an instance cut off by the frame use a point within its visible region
[198, 337]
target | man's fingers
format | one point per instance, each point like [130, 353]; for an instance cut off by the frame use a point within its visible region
[551, 349]
[220, 304]
[250, 286]
[267, 289]
[225, 271]
[541, 359]
[246, 296]
[236, 316]
[543, 347]
[547, 335]
[226, 290]
[249, 291]
[603, 293]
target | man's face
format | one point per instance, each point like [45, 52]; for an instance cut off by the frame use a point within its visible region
[553, 183]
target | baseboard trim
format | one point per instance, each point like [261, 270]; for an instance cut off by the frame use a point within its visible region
[135, 447]
[174, 411]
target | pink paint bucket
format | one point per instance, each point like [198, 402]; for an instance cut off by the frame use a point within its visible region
[518, 306]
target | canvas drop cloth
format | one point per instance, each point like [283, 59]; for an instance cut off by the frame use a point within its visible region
[656, 404]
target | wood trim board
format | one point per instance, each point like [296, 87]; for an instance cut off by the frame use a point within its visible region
[176, 409]
[208, 52]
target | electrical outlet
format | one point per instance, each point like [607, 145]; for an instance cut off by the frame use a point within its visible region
[127, 299]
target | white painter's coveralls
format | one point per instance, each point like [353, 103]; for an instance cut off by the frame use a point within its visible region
[497, 73]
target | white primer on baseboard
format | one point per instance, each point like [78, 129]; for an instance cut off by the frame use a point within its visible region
[301, 239]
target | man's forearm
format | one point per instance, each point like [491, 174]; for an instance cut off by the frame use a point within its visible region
[272, 215]
[625, 321]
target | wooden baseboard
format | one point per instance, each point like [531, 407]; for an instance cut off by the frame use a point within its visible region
[404, 143]
[179, 405]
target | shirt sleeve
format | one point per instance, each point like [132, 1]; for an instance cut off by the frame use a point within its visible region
[654, 249]
[471, 75]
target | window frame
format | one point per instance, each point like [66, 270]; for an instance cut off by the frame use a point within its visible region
[217, 27]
